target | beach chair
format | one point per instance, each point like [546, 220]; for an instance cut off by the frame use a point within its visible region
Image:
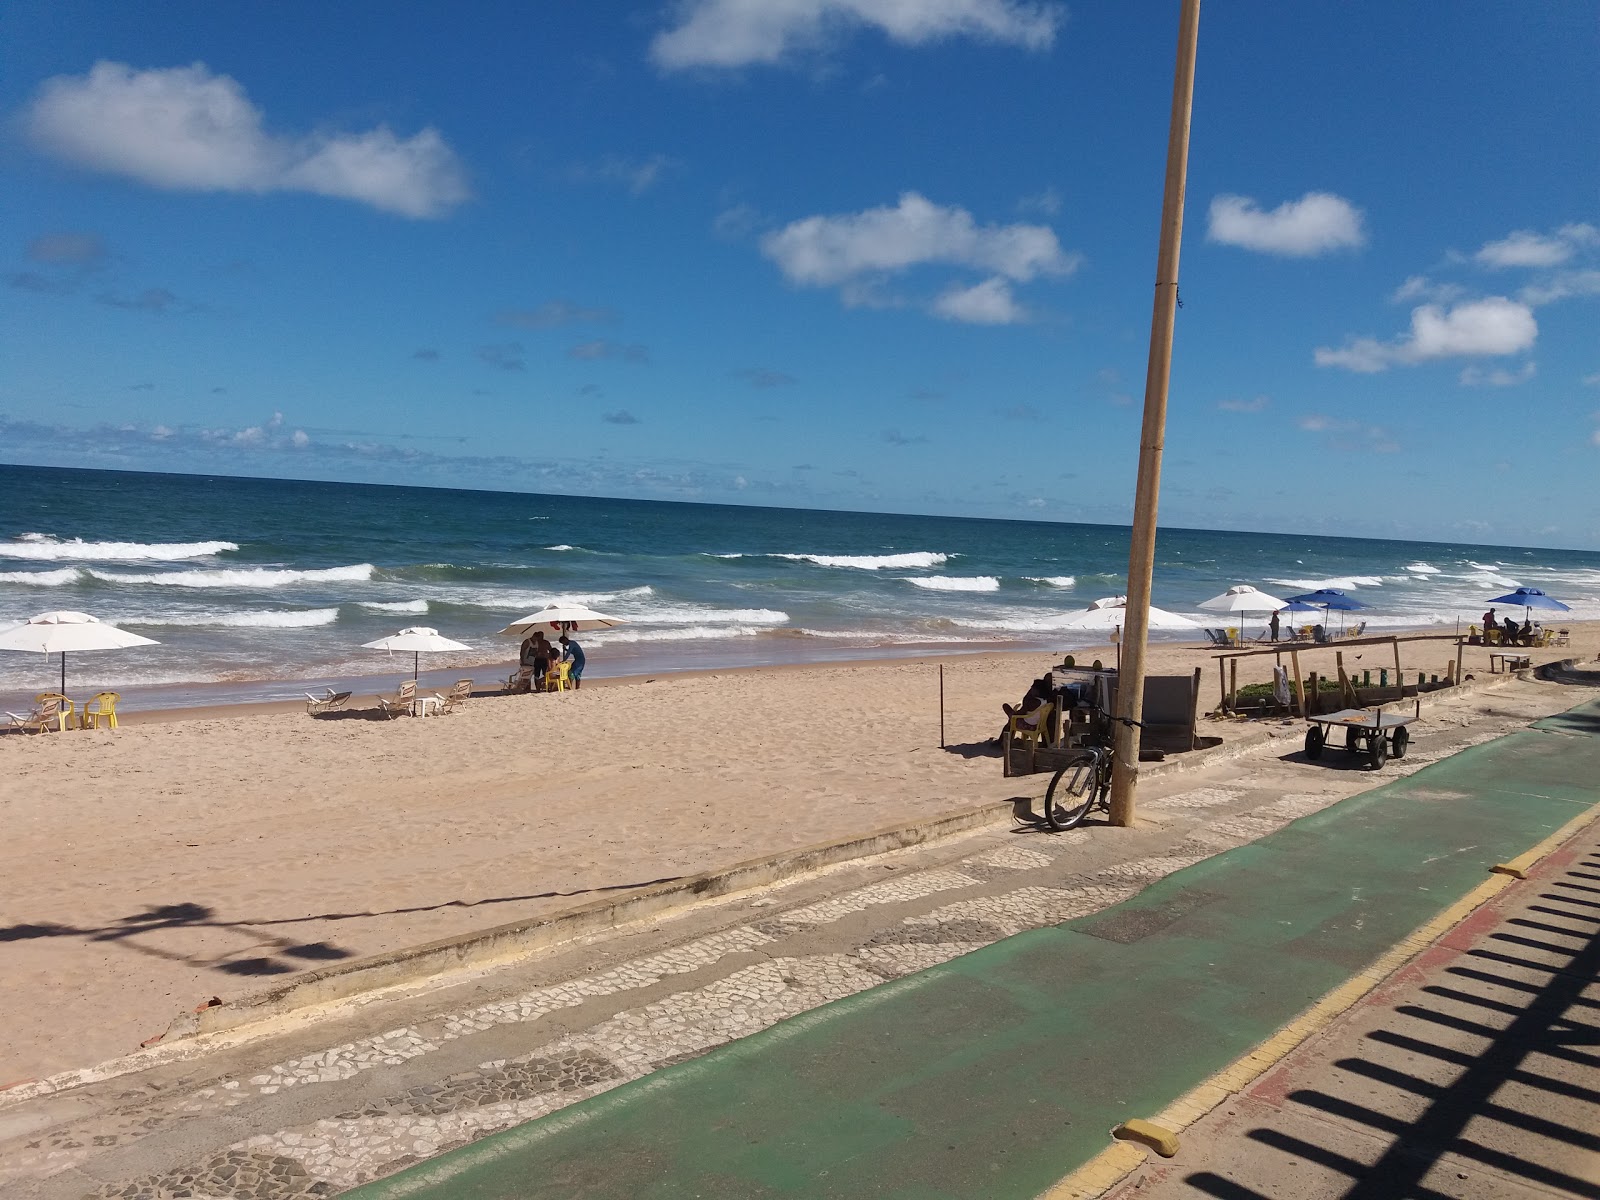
[45, 714]
[66, 712]
[1216, 637]
[327, 702]
[102, 706]
[555, 679]
[1030, 728]
[1357, 630]
[519, 681]
[1563, 637]
[403, 702]
[455, 698]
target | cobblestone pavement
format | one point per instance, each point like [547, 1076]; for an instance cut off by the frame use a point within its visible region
[325, 1106]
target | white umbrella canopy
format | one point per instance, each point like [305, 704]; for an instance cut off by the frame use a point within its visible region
[418, 639]
[572, 618]
[59, 632]
[1243, 599]
[1111, 612]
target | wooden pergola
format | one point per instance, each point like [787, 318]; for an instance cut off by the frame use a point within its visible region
[1228, 664]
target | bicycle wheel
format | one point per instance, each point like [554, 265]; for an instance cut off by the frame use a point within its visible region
[1072, 793]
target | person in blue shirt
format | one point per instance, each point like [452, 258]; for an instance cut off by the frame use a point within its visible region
[573, 653]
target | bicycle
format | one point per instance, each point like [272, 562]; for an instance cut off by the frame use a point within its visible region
[1084, 784]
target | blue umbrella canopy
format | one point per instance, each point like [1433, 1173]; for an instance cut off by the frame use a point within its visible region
[1330, 598]
[1531, 598]
[1299, 606]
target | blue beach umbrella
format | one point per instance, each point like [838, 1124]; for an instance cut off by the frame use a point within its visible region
[1530, 598]
[1331, 599]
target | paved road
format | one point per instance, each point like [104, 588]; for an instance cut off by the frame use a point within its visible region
[597, 1027]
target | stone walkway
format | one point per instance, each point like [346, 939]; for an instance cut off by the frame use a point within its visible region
[379, 1087]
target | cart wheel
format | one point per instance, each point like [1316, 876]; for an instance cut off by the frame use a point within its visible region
[1402, 742]
[1352, 739]
[1314, 740]
[1377, 751]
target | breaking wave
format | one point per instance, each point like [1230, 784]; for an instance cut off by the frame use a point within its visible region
[1060, 581]
[400, 606]
[956, 583]
[1343, 583]
[57, 578]
[266, 619]
[41, 547]
[1422, 568]
[245, 577]
[915, 560]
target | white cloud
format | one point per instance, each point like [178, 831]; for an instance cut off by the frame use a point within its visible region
[1350, 435]
[1562, 285]
[186, 129]
[824, 251]
[638, 176]
[1497, 376]
[1420, 287]
[986, 303]
[1494, 325]
[738, 33]
[1592, 380]
[1526, 248]
[1255, 404]
[1314, 224]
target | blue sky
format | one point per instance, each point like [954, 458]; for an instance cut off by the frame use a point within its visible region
[822, 253]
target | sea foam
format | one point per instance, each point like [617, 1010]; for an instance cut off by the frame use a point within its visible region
[396, 606]
[1060, 581]
[41, 547]
[1343, 583]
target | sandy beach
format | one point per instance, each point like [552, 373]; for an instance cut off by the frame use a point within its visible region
[213, 852]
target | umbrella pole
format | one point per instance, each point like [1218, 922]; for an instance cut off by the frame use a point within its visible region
[63, 672]
[416, 664]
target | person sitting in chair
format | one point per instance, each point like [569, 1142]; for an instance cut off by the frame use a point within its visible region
[1040, 692]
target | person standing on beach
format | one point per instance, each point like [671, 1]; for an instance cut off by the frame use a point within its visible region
[1272, 625]
[573, 653]
[1488, 625]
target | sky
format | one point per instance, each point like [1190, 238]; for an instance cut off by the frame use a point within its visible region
[858, 254]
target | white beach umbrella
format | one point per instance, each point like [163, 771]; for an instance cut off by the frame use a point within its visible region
[59, 632]
[1243, 599]
[559, 617]
[419, 639]
[1111, 612]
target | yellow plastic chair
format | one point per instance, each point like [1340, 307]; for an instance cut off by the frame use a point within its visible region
[1031, 728]
[65, 714]
[1492, 637]
[555, 679]
[100, 707]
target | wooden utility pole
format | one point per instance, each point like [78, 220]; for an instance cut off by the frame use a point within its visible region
[1142, 553]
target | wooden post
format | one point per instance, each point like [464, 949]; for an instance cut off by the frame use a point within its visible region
[1459, 645]
[1299, 688]
[941, 706]
[1222, 683]
[1153, 432]
[1233, 683]
[1346, 692]
[1316, 691]
[1399, 679]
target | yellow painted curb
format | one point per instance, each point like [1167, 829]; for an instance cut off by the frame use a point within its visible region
[1517, 867]
[1107, 1168]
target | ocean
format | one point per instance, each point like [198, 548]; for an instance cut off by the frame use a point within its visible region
[260, 588]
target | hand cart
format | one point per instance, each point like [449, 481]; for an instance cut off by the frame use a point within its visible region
[1368, 731]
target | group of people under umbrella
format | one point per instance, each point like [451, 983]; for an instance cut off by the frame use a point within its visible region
[64, 632]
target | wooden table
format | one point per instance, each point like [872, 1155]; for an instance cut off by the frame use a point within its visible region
[1511, 662]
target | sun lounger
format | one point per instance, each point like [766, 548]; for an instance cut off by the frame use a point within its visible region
[330, 700]
[520, 681]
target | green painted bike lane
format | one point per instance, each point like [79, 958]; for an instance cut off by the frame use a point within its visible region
[999, 1072]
